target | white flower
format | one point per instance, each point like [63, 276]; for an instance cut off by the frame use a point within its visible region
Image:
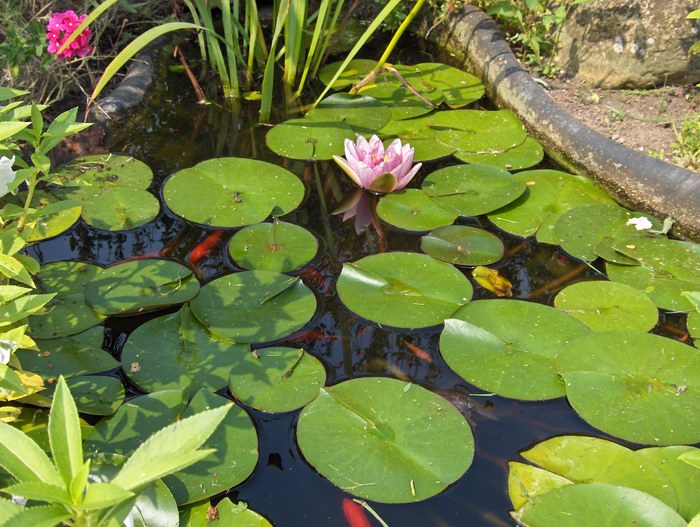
[641, 224]
[7, 175]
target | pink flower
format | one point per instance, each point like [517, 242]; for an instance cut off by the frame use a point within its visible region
[60, 27]
[372, 167]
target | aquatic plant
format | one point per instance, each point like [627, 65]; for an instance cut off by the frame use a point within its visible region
[378, 169]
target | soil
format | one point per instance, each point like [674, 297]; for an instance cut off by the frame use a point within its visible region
[645, 120]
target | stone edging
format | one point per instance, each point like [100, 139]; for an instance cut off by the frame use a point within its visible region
[638, 181]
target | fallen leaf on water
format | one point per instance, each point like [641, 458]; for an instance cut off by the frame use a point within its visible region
[493, 281]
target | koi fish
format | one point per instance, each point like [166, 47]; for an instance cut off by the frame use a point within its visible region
[316, 279]
[205, 247]
[355, 514]
[418, 352]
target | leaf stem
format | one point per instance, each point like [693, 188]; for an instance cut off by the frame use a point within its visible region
[400, 31]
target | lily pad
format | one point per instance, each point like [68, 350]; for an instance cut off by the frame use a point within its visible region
[472, 190]
[80, 354]
[413, 210]
[485, 344]
[140, 285]
[403, 102]
[461, 245]
[694, 324]
[309, 140]
[525, 482]
[363, 114]
[103, 171]
[67, 313]
[636, 386]
[598, 505]
[235, 441]
[525, 155]
[276, 246]
[44, 224]
[401, 289]
[667, 269]
[419, 136]
[588, 231]
[176, 352]
[386, 425]
[232, 192]
[254, 306]
[549, 195]
[93, 394]
[458, 87]
[276, 379]
[608, 306]
[356, 70]
[478, 131]
[239, 515]
[115, 209]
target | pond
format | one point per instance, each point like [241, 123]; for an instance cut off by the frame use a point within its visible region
[352, 328]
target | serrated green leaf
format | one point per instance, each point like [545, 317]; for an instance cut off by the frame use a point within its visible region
[64, 433]
[24, 459]
[39, 491]
[103, 495]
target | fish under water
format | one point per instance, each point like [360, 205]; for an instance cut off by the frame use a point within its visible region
[354, 514]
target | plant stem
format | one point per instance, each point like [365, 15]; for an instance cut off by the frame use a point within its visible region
[30, 195]
[400, 31]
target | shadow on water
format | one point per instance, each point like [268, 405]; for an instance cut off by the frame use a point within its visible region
[172, 132]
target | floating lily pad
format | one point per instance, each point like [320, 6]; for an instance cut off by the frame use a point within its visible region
[694, 324]
[67, 313]
[50, 224]
[176, 352]
[403, 102]
[276, 379]
[254, 306]
[309, 140]
[525, 155]
[232, 192]
[458, 87]
[485, 344]
[386, 424]
[405, 290]
[413, 210]
[115, 209]
[235, 441]
[276, 246]
[608, 306]
[636, 386]
[356, 70]
[461, 245]
[549, 195]
[472, 190]
[238, 515]
[582, 459]
[588, 231]
[684, 478]
[526, 482]
[93, 394]
[103, 171]
[667, 269]
[598, 505]
[140, 285]
[419, 135]
[80, 354]
[478, 131]
[363, 114]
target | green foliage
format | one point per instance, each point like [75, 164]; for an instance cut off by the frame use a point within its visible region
[686, 149]
[63, 481]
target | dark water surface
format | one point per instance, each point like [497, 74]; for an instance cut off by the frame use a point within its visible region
[170, 132]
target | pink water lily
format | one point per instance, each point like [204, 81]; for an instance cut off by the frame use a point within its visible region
[375, 168]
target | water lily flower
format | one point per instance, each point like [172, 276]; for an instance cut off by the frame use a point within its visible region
[60, 27]
[361, 206]
[7, 175]
[375, 168]
[642, 223]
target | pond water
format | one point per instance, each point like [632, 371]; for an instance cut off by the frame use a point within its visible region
[171, 132]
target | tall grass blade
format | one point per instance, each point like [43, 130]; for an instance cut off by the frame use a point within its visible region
[323, 11]
[232, 50]
[293, 37]
[200, 36]
[329, 29]
[269, 75]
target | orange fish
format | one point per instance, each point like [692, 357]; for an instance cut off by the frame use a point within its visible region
[205, 247]
[355, 514]
[418, 352]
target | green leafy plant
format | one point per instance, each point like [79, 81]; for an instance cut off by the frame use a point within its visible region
[686, 148]
[62, 484]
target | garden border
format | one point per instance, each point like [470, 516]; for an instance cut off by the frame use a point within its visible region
[635, 179]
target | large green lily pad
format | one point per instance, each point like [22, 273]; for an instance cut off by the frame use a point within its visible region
[608, 306]
[103, 171]
[238, 515]
[176, 352]
[276, 379]
[549, 195]
[462, 245]
[401, 289]
[309, 140]
[636, 386]
[509, 347]
[93, 394]
[115, 209]
[44, 224]
[254, 306]
[598, 505]
[472, 190]
[369, 437]
[235, 440]
[458, 87]
[356, 70]
[667, 269]
[478, 131]
[276, 246]
[67, 313]
[419, 135]
[232, 192]
[525, 155]
[403, 102]
[413, 210]
[363, 114]
[140, 285]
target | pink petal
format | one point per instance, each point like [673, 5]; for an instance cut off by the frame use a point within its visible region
[405, 180]
[352, 174]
